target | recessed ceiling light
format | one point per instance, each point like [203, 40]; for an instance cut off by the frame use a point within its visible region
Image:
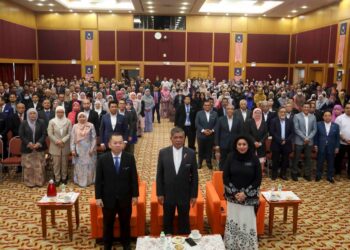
[39, 4]
[150, 7]
[90, 11]
[149, 2]
[288, 16]
[304, 7]
[151, 11]
[301, 17]
[129, 11]
[294, 11]
[185, 3]
[110, 11]
[181, 12]
[226, 14]
[51, 10]
[183, 8]
[30, 0]
[70, 10]
[42, 0]
[208, 13]
[264, 15]
[245, 14]
[51, 4]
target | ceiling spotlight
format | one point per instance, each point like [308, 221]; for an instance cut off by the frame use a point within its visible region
[51, 10]
[150, 7]
[151, 11]
[30, 0]
[304, 7]
[90, 11]
[183, 8]
[208, 13]
[110, 11]
[301, 17]
[264, 15]
[70, 10]
[51, 4]
[42, 0]
[246, 14]
[226, 14]
[181, 12]
[294, 11]
[288, 16]
[129, 11]
[185, 3]
[149, 2]
[39, 4]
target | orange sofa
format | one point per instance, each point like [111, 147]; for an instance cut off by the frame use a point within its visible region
[216, 206]
[196, 213]
[138, 217]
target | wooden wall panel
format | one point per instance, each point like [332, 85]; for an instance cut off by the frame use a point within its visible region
[65, 70]
[199, 47]
[221, 73]
[129, 45]
[107, 45]
[169, 71]
[107, 71]
[221, 47]
[262, 73]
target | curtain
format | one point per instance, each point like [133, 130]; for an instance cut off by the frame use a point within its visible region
[6, 72]
[24, 72]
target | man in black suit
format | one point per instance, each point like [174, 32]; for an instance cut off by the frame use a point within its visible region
[243, 113]
[222, 111]
[66, 105]
[156, 96]
[227, 128]
[17, 118]
[177, 182]
[46, 114]
[91, 115]
[185, 116]
[282, 132]
[35, 103]
[116, 190]
[266, 113]
[205, 127]
[179, 99]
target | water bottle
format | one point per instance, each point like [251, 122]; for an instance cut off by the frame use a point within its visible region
[162, 238]
[279, 187]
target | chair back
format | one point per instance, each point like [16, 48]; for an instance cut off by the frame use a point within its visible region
[218, 183]
[47, 140]
[268, 144]
[15, 146]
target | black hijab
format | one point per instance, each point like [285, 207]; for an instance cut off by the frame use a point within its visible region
[247, 155]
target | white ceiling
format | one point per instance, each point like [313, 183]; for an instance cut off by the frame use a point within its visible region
[175, 7]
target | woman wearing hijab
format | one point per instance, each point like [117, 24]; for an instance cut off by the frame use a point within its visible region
[74, 112]
[141, 117]
[149, 104]
[33, 134]
[242, 179]
[83, 149]
[165, 102]
[59, 131]
[109, 98]
[99, 111]
[337, 111]
[258, 130]
[321, 102]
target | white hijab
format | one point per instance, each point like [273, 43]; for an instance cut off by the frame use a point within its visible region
[60, 122]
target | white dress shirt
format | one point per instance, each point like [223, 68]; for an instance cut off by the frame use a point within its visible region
[177, 155]
[230, 121]
[113, 121]
[207, 114]
[306, 119]
[87, 113]
[328, 127]
[244, 114]
[344, 126]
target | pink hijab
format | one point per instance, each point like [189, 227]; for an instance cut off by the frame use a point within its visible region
[257, 117]
[336, 107]
[165, 93]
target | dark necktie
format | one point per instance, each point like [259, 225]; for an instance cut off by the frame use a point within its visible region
[116, 164]
[47, 113]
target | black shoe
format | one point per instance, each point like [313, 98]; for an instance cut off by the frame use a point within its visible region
[307, 178]
[318, 178]
[331, 180]
[158, 121]
[283, 177]
[19, 170]
[294, 177]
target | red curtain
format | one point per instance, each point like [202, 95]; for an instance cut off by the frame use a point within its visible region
[24, 72]
[6, 72]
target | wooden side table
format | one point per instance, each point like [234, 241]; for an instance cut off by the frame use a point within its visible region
[284, 204]
[45, 204]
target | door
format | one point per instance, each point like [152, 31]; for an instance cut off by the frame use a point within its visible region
[298, 75]
[129, 71]
[199, 72]
[317, 75]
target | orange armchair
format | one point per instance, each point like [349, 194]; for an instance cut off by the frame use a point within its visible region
[138, 217]
[196, 213]
[216, 206]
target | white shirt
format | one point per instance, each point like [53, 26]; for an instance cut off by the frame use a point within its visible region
[265, 116]
[177, 155]
[114, 157]
[344, 126]
[113, 120]
[230, 121]
[207, 114]
[87, 113]
[306, 119]
[328, 127]
[244, 114]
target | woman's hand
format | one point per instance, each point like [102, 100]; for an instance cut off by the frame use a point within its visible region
[240, 196]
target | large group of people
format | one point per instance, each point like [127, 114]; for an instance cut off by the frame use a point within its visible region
[237, 123]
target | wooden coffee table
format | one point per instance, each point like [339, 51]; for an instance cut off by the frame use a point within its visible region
[53, 204]
[292, 200]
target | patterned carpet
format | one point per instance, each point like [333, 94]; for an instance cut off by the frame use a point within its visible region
[324, 215]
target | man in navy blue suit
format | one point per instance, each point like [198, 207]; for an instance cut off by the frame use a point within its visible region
[327, 142]
[113, 123]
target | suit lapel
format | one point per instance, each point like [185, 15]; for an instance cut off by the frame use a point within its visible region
[184, 152]
[110, 121]
[170, 152]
